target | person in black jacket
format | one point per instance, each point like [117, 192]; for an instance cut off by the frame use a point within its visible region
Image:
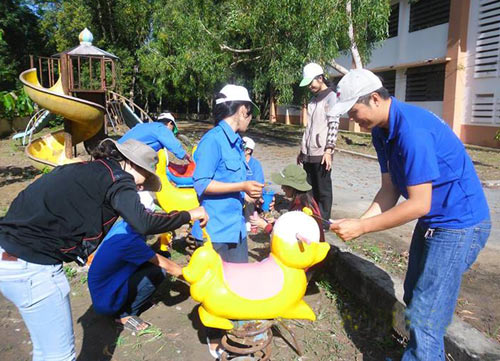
[62, 217]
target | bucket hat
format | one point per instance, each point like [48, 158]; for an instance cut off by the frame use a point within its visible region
[293, 176]
[143, 156]
[355, 84]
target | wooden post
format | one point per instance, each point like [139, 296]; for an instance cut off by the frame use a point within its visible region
[303, 115]
[287, 116]
[272, 109]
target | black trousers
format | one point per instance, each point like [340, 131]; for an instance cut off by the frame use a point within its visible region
[321, 181]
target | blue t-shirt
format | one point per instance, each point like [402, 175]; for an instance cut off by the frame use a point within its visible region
[418, 148]
[254, 170]
[121, 253]
[220, 157]
[157, 136]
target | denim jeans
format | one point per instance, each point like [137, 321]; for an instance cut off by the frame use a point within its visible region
[41, 294]
[141, 286]
[438, 258]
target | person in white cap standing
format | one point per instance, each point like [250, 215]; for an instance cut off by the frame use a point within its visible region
[422, 160]
[320, 137]
[220, 180]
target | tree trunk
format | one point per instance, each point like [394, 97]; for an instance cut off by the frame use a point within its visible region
[134, 79]
[354, 48]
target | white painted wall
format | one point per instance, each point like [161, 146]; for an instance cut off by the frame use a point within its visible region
[478, 85]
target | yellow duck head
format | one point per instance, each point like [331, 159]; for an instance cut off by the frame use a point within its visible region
[295, 241]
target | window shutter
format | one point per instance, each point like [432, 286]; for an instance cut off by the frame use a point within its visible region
[486, 109]
[425, 83]
[488, 40]
[427, 13]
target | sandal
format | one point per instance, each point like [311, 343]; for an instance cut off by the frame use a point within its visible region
[133, 324]
[217, 353]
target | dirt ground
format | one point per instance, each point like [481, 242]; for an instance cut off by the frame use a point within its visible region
[345, 330]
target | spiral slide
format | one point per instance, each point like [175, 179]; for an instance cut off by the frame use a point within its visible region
[86, 120]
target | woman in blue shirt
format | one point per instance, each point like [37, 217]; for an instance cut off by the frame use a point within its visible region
[220, 175]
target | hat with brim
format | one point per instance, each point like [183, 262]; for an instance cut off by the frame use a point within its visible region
[292, 176]
[143, 156]
[355, 84]
[235, 93]
[167, 118]
[310, 71]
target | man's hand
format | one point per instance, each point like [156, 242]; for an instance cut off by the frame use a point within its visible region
[348, 229]
[253, 189]
[327, 160]
[199, 214]
[299, 158]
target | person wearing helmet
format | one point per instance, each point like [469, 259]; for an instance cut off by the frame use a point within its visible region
[320, 138]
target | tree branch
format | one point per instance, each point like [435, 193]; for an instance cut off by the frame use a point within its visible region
[338, 67]
[223, 46]
[233, 64]
[354, 48]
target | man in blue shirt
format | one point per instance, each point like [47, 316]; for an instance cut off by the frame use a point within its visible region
[424, 161]
[159, 134]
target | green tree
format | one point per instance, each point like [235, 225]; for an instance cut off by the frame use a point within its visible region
[262, 44]
[20, 36]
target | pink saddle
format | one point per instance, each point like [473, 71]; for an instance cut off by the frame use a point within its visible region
[254, 281]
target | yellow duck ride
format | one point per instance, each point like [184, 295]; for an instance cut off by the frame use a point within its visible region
[170, 197]
[268, 289]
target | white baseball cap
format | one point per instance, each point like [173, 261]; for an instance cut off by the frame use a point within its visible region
[234, 93]
[249, 143]
[355, 84]
[310, 71]
[166, 118]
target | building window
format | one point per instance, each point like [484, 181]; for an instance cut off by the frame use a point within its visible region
[486, 62]
[394, 21]
[388, 80]
[425, 83]
[427, 13]
[483, 109]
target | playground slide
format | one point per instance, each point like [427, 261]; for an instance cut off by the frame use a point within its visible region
[86, 120]
[130, 118]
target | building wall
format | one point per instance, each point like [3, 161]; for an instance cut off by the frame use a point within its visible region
[482, 75]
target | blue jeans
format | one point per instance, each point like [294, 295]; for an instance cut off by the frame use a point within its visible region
[231, 252]
[41, 294]
[438, 258]
[141, 286]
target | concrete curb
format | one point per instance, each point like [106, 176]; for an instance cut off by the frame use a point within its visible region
[357, 154]
[381, 291]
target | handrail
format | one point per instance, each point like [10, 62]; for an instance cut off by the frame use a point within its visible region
[131, 104]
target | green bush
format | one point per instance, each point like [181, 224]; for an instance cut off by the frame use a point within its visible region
[15, 103]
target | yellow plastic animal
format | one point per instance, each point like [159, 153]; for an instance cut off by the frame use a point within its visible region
[172, 198]
[268, 289]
